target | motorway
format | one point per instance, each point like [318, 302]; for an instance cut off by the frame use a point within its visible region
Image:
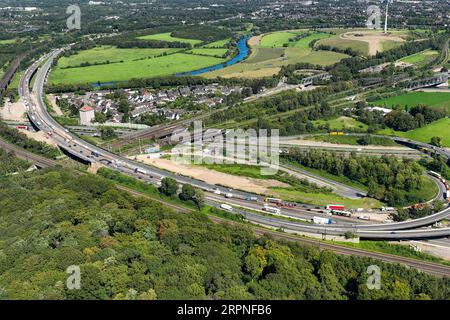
[89, 153]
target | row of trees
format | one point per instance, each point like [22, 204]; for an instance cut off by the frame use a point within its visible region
[21, 140]
[400, 119]
[386, 178]
[270, 106]
[135, 248]
[169, 187]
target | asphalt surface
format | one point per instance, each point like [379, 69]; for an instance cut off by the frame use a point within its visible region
[83, 150]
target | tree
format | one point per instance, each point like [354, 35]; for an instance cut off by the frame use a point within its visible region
[436, 141]
[169, 186]
[100, 117]
[187, 192]
[199, 198]
[107, 133]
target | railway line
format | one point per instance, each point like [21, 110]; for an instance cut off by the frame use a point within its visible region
[89, 153]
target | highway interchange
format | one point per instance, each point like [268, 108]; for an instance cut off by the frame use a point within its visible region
[88, 153]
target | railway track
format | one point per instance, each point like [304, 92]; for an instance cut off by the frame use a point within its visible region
[424, 266]
[39, 161]
[427, 267]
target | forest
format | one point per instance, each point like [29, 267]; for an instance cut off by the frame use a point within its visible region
[10, 164]
[134, 248]
[387, 178]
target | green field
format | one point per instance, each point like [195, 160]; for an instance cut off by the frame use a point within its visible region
[161, 66]
[421, 57]
[271, 54]
[277, 39]
[209, 52]
[358, 46]
[8, 41]
[431, 99]
[112, 54]
[168, 38]
[217, 44]
[440, 128]
[342, 123]
[304, 43]
[294, 194]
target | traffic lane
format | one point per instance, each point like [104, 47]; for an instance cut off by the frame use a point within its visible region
[294, 212]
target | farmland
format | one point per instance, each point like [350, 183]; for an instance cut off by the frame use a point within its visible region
[168, 38]
[431, 99]
[219, 52]
[272, 51]
[160, 66]
[112, 54]
[217, 44]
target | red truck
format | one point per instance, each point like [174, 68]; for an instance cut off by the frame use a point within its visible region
[336, 207]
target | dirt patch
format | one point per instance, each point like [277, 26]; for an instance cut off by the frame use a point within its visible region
[14, 111]
[374, 39]
[213, 177]
[255, 41]
[39, 136]
[93, 168]
[56, 110]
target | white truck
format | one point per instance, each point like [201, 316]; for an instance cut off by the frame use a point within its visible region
[272, 210]
[320, 220]
[229, 195]
[226, 207]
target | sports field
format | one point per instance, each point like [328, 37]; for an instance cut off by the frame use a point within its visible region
[431, 99]
[440, 128]
[168, 37]
[146, 68]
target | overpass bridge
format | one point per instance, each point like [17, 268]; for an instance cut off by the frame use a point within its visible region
[441, 78]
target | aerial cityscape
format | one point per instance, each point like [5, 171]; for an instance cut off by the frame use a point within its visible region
[220, 150]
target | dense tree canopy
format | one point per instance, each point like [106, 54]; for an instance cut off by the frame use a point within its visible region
[387, 178]
[134, 248]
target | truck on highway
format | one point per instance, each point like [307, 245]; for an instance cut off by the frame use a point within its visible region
[335, 207]
[137, 170]
[341, 213]
[251, 199]
[273, 200]
[320, 220]
[271, 210]
[226, 207]
[229, 195]
[95, 154]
